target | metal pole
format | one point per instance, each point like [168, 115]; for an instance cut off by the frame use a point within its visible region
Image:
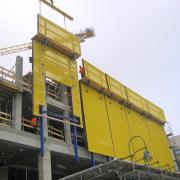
[76, 144]
[93, 162]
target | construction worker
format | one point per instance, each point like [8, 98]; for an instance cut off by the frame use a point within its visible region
[82, 71]
[34, 124]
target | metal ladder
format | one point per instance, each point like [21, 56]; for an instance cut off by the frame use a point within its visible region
[172, 141]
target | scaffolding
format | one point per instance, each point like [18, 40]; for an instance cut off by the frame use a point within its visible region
[123, 170]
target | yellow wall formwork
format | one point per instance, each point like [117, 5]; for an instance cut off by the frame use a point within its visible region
[116, 87]
[119, 127]
[38, 81]
[160, 144]
[58, 36]
[138, 127]
[96, 120]
[94, 74]
[58, 67]
[110, 125]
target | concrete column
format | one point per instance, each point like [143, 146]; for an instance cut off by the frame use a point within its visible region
[67, 127]
[19, 70]
[44, 166]
[3, 173]
[44, 163]
[17, 101]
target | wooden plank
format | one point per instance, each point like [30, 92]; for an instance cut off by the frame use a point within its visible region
[57, 9]
[5, 119]
[5, 114]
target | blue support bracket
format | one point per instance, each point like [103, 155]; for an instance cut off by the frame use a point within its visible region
[93, 162]
[76, 144]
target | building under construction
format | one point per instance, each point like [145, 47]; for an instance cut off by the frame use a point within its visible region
[55, 126]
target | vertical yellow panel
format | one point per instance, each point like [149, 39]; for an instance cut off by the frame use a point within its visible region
[38, 81]
[96, 121]
[161, 144]
[119, 127]
[138, 127]
[75, 91]
[56, 66]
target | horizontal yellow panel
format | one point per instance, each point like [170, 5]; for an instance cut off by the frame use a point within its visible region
[116, 87]
[95, 75]
[96, 122]
[136, 99]
[156, 111]
[161, 144]
[56, 34]
[119, 127]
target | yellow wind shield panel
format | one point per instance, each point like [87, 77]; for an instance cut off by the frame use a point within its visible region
[58, 67]
[138, 127]
[136, 100]
[145, 105]
[96, 121]
[161, 145]
[119, 127]
[156, 111]
[58, 36]
[95, 75]
[116, 87]
[38, 81]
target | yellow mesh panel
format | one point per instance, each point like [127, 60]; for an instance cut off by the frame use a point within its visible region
[95, 75]
[156, 111]
[59, 36]
[136, 99]
[58, 67]
[38, 81]
[116, 87]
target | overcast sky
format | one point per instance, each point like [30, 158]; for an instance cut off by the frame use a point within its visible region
[137, 42]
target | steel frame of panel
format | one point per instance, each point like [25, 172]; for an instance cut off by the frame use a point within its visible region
[96, 122]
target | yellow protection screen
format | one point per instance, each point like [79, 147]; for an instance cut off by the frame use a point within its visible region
[160, 144]
[119, 127]
[95, 75]
[52, 64]
[59, 36]
[138, 127]
[96, 120]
